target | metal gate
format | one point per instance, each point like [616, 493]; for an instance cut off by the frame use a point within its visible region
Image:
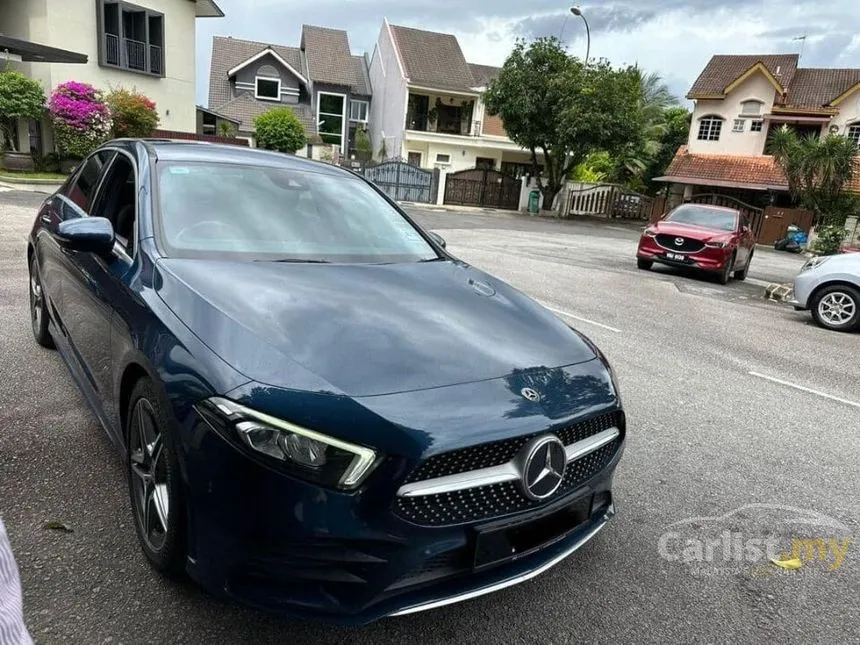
[610, 200]
[483, 187]
[404, 182]
[753, 213]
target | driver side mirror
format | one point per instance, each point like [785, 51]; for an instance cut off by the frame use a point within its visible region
[87, 234]
[438, 239]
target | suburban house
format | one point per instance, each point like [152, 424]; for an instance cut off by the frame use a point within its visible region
[428, 107]
[321, 81]
[738, 100]
[148, 45]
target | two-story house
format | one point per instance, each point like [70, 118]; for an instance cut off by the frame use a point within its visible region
[321, 81]
[428, 107]
[145, 44]
[739, 99]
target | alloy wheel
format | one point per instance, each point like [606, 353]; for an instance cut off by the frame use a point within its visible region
[150, 493]
[36, 301]
[837, 308]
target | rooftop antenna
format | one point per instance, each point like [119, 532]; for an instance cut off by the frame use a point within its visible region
[802, 45]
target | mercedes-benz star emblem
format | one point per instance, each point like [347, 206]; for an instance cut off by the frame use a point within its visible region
[543, 466]
[530, 395]
[679, 241]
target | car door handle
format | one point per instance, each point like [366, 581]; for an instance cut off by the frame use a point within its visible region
[46, 219]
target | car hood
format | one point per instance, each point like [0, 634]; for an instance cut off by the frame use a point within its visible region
[364, 330]
[692, 232]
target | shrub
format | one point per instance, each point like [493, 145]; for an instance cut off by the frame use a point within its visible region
[829, 239]
[132, 113]
[363, 145]
[81, 119]
[20, 98]
[280, 129]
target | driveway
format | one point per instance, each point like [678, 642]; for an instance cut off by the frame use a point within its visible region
[743, 417]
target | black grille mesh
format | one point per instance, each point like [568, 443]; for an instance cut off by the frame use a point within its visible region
[500, 452]
[486, 502]
[687, 246]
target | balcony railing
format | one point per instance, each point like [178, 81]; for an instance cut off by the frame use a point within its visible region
[417, 123]
[155, 60]
[135, 52]
[112, 49]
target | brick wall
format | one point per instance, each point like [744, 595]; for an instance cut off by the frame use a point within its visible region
[493, 126]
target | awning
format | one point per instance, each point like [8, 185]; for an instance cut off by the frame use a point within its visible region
[28, 52]
[698, 181]
[790, 118]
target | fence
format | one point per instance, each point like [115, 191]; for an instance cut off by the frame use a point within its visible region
[612, 201]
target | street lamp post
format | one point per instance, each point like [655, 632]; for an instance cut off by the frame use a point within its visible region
[576, 11]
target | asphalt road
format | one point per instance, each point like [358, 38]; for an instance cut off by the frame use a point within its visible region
[744, 455]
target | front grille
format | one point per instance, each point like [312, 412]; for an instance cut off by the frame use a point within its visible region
[687, 246]
[501, 452]
[439, 566]
[486, 502]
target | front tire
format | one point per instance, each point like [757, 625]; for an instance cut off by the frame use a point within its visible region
[644, 264]
[741, 274]
[837, 307]
[38, 307]
[154, 481]
[725, 275]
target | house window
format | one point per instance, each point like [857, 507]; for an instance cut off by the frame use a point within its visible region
[330, 117]
[358, 111]
[414, 158]
[738, 125]
[854, 133]
[756, 126]
[268, 89]
[751, 107]
[709, 128]
[440, 158]
[485, 162]
[131, 37]
[210, 123]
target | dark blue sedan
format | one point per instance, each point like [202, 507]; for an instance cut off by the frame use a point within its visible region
[321, 411]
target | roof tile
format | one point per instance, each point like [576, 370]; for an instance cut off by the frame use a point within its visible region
[328, 56]
[723, 69]
[432, 59]
[245, 108]
[815, 87]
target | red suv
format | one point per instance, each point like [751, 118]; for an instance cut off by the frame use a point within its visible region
[711, 238]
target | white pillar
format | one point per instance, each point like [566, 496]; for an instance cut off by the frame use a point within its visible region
[524, 193]
[440, 194]
[688, 192]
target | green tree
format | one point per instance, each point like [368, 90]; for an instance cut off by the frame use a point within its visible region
[20, 98]
[132, 114]
[226, 129]
[280, 129]
[363, 145]
[817, 170]
[556, 105]
[676, 131]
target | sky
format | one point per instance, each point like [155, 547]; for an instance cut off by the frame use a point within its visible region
[672, 37]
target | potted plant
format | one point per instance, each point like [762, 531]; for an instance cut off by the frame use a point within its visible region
[20, 98]
[81, 121]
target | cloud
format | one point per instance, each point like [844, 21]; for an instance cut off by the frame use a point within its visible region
[672, 37]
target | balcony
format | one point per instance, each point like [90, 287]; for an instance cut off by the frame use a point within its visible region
[442, 115]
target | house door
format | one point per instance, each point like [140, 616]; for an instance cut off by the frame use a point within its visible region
[414, 159]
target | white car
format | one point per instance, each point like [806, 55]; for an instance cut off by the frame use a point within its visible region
[829, 286]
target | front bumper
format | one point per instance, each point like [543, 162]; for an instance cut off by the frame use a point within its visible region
[804, 284]
[286, 546]
[707, 259]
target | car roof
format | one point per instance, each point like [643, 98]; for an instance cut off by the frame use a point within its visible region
[197, 151]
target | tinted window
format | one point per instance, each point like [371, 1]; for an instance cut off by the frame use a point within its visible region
[260, 213]
[83, 188]
[706, 217]
[117, 201]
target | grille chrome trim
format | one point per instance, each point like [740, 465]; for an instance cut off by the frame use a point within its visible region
[506, 472]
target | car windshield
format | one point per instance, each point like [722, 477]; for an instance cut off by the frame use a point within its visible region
[705, 217]
[244, 212]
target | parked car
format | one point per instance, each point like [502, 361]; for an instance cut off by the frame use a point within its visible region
[710, 238]
[829, 287]
[321, 410]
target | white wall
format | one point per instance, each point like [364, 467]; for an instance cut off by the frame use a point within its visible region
[388, 108]
[462, 156]
[756, 87]
[72, 24]
[849, 113]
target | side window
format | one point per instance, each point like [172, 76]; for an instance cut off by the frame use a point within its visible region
[82, 190]
[117, 201]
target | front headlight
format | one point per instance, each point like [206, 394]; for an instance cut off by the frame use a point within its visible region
[811, 263]
[718, 244]
[304, 453]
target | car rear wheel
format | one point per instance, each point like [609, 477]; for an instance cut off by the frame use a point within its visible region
[39, 308]
[644, 264]
[725, 275]
[154, 481]
[837, 307]
[741, 274]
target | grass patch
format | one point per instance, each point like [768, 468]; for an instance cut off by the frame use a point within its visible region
[24, 176]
